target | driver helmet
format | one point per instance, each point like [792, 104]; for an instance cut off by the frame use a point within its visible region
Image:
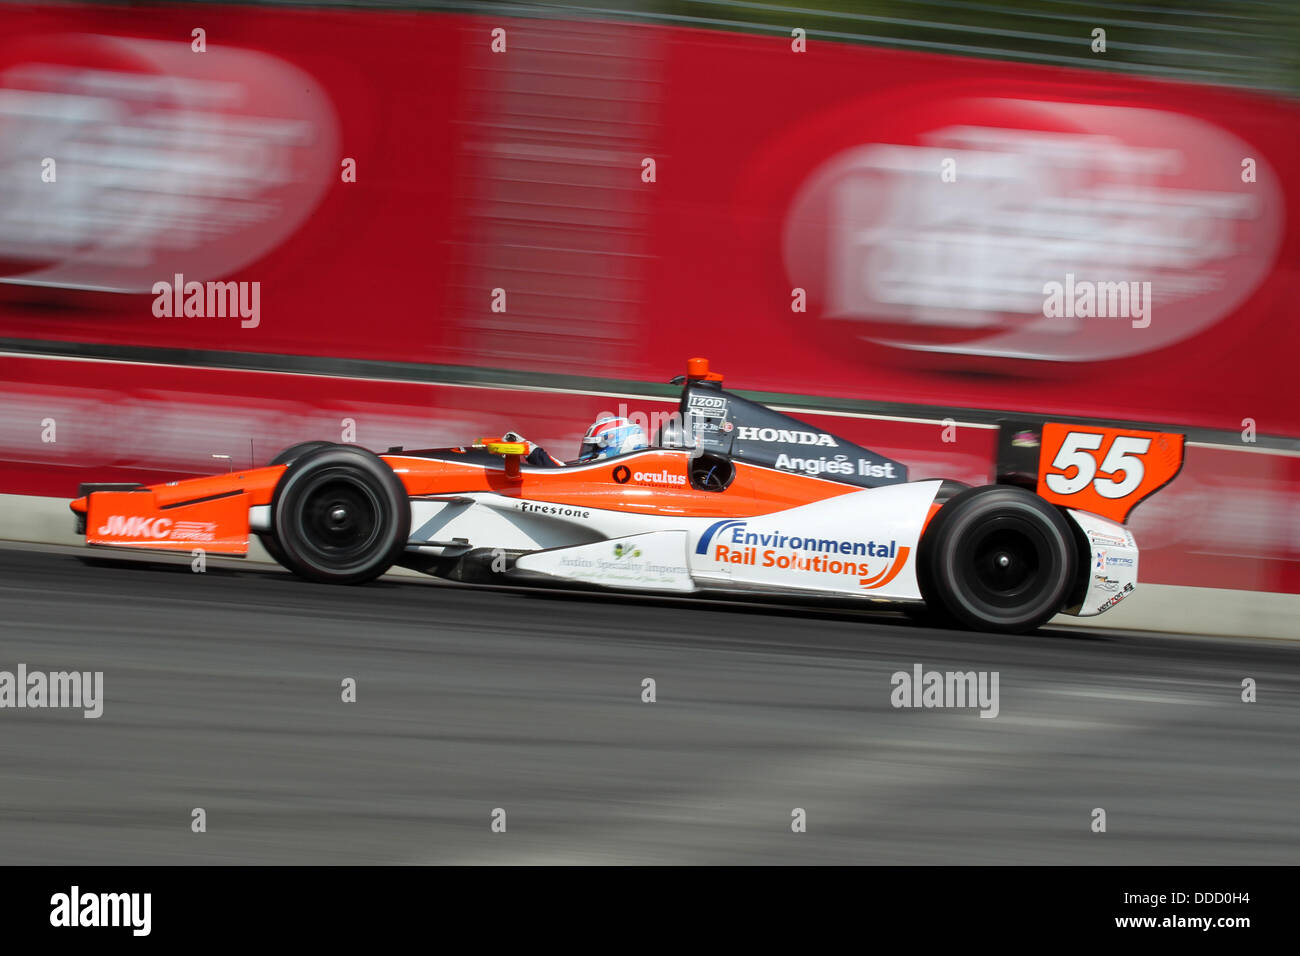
[609, 436]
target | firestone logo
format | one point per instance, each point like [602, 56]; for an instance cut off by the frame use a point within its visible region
[120, 526]
[559, 510]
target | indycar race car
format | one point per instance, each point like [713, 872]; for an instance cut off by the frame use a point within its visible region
[731, 497]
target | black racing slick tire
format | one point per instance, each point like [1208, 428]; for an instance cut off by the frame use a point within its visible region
[997, 558]
[286, 457]
[340, 516]
[294, 452]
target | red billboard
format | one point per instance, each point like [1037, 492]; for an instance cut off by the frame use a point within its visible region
[499, 212]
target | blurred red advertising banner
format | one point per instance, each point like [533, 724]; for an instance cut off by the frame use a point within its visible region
[850, 221]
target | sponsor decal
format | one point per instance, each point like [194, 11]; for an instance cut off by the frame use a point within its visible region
[715, 529]
[733, 543]
[194, 531]
[121, 526]
[561, 511]
[135, 526]
[594, 564]
[839, 465]
[713, 403]
[1104, 583]
[735, 531]
[1104, 560]
[658, 479]
[129, 519]
[784, 436]
[880, 579]
[646, 561]
[1102, 537]
[1128, 589]
[1024, 439]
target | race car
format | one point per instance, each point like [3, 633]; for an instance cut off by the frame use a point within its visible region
[730, 497]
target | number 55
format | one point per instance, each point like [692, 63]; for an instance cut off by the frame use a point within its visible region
[1123, 456]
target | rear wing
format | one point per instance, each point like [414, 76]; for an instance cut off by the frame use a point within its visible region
[1094, 468]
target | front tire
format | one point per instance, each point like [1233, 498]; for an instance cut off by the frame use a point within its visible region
[997, 558]
[340, 516]
[287, 457]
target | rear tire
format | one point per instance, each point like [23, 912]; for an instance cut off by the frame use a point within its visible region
[286, 457]
[997, 558]
[340, 516]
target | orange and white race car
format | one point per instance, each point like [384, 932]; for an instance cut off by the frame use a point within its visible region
[732, 497]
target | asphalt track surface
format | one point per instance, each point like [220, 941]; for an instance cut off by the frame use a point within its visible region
[223, 692]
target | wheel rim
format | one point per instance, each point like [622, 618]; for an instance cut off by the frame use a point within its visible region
[340, 518]
[1010, 563]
